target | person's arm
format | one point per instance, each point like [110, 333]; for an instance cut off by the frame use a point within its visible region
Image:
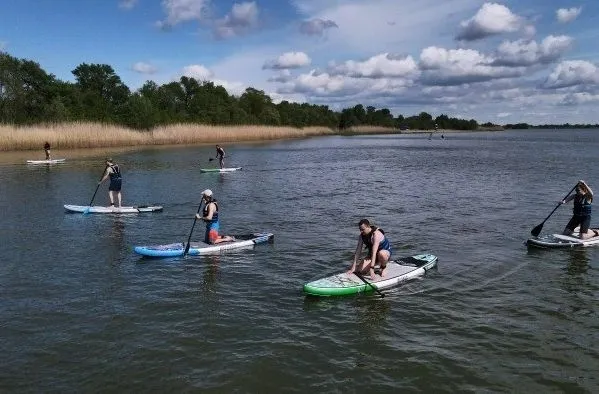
[590, 191]
[378, 237]
[106, 174]
[568, 199]
[211, 209]
[356, 255]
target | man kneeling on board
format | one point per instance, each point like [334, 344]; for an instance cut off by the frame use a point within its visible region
[378, 247]
[210, 216]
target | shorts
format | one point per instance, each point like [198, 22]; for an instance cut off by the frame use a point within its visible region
[211, 235]
[583, 221]
[115, 185]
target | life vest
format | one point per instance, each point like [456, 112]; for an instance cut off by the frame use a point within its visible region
[582, 206]
[368, 240]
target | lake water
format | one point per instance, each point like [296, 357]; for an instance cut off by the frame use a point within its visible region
[80, 312]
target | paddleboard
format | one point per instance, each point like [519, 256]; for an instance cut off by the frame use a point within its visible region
[561, 241]
[53, 161]
[230, 169]
[201, 248]
[397, 271]
[100, 209]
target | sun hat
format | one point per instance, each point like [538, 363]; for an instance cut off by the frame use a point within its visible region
[207, 193]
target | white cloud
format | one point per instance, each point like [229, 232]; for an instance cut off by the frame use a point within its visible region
[316, 27]
[242, 18]
[491, 19]
[362, 27]
[572, 73]
[127, 4]
[144, 68]
[565, 15]
[529, 52]
[179, 11]
[580, 98]
[379, 66]
[458, 66]
[197, 71]
[288, 60]
[282, 77]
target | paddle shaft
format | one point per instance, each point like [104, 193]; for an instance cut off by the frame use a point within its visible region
[195, 218]
[537, 230]
[370, 284]
[97, 187]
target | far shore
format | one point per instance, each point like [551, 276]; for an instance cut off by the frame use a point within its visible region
[70, 136]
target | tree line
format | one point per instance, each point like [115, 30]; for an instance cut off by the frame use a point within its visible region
[30, 95]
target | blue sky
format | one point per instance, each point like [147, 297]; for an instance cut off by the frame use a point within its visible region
[508, 61]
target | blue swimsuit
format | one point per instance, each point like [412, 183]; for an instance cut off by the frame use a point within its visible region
[383, 245]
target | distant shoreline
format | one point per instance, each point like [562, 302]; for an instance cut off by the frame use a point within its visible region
[95, 135]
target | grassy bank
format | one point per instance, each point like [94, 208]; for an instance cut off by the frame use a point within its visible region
[95, 135]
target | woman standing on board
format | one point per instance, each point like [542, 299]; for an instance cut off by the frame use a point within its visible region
[210, 216]
[47, 150]
[378, 246]
[114, 190]
[583, 199]
[220, 155]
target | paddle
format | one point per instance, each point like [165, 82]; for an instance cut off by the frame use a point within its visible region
[370, 284]
[96, 192]
[537, 230]
[195, 218]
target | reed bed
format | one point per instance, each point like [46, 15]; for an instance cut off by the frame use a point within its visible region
[96, 135]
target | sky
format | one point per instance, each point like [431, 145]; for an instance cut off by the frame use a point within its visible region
[533, 61]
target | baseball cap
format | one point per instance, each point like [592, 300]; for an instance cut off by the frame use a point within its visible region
[207, 193]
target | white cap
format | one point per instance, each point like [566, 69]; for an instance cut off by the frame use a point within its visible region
[207, 193]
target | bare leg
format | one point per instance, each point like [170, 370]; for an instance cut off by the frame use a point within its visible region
[383, 258]
[118, 196]
[226, 238]
[111, 197]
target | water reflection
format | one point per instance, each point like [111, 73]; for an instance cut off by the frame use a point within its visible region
[371, 312]
[117, 238]
[211, 273]
[578, 262]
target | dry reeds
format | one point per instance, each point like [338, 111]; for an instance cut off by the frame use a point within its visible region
[96, 135]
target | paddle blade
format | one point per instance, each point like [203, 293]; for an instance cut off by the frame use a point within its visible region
[86, 211]
[186, 248]
[537, 230]
[210, 159]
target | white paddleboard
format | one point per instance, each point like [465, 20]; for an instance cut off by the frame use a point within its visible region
[230, 169]
[52, 161]
[100, 209]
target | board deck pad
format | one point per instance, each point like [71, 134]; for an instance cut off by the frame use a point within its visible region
[397, 271]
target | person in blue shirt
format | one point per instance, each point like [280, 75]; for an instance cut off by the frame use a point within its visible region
[210, 217]
[378, 248]
[583, 198]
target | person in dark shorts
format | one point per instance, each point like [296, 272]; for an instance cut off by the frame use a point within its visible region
[583, 199]
[114, 189]
[47, 150]
[220, 155]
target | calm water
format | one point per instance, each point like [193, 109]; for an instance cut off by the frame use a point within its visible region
[79, 312]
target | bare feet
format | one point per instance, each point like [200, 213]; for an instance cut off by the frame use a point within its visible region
[383, 271]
